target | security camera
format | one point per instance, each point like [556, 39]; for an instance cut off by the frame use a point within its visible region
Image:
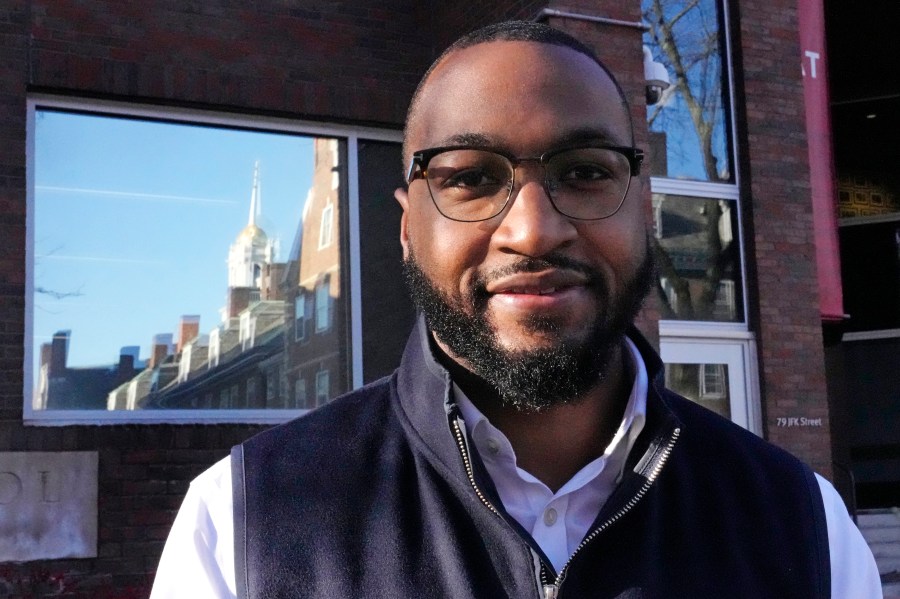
[656, 76]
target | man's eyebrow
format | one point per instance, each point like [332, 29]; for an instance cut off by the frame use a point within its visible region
[469, 139]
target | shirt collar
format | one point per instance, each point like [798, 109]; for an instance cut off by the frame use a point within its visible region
[616, 452]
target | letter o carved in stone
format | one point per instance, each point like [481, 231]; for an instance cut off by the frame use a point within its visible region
[10, 487]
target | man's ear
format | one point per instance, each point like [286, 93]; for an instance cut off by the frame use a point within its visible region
[402, 197]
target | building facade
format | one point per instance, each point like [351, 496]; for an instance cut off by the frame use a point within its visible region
[314, 304]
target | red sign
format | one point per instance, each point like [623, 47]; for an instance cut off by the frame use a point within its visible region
[821, 161]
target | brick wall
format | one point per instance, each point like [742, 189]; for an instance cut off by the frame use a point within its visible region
[317, 62]
[779, 231]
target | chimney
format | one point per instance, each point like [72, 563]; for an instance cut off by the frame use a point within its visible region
[238, 300]
[59, 353]
[159, 349]
[125, 369]
[188, 329]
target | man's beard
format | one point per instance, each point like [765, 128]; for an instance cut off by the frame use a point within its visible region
[532, 380]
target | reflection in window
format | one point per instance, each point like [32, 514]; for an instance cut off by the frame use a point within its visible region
[698, 258]
[323, 387]
[300, 393]
[326, 229]
[300, 318]
[689, 135]
[323, 306]
[706, 384]
[179, 223]
[252, 392]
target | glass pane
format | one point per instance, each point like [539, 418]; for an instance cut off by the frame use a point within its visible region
[706, 384]
[689, 128]
[698, 257]
[175, 265]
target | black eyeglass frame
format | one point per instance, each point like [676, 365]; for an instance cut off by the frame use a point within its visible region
[421, 158]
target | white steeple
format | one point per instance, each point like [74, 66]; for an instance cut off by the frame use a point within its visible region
[252, 248]
[255, 199]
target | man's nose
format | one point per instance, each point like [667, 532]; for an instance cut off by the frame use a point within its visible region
[531, 225]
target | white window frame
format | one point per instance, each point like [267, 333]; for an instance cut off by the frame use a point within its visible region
[716, 190]
[322, 305]
[706, 335]
[322, 396]
[300, 316]
[326, 226]
[351, 136]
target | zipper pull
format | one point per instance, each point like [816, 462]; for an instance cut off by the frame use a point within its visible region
[550, 591]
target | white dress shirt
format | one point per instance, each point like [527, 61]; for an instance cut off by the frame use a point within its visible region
[558, 521]
[198, 559]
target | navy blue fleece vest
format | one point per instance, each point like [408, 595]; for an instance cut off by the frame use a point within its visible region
[369, 497]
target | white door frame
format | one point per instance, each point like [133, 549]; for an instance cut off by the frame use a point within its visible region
[739, 353]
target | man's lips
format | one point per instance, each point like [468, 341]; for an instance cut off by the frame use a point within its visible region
[536, 283]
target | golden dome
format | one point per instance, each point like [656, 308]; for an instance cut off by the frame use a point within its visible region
[253, 234]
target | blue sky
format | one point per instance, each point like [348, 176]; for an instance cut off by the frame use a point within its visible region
[136, 217]
[704, 72]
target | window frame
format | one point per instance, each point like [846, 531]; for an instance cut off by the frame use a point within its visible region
[349, 134]
[323, 374]
[322, 292]
[326, 225]
[301, 319]
[716, 190]
[696, 339]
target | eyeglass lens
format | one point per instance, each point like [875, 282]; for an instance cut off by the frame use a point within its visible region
[584, 183]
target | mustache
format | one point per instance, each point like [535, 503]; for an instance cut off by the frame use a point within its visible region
[547, 262]
[478, 294]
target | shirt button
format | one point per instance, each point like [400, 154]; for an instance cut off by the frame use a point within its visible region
[493, 446]
[550, 517]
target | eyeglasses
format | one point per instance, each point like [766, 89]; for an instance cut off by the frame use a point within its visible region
[471, 184]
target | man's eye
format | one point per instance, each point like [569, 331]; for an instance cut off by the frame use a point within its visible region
[471, 177]
[585, 173]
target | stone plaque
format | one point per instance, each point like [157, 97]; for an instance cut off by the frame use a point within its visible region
[48, 505]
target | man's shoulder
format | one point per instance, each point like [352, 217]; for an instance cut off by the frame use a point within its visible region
[713, 434]
[347, 417]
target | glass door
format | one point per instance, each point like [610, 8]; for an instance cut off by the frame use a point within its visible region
[718, 374]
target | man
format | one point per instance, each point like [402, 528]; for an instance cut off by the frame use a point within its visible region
[525, 447]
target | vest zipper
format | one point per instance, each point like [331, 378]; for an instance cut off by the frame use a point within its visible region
[551, 589]
[464, 452]
[470, 474]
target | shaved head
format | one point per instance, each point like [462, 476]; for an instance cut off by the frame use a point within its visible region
[507, 31]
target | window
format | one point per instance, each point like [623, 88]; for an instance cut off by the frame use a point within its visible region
[326, 227]
[323, 387]
[698, 258]
[300, 393]
[713, 383]
[696, 200]
[252, 391]
[105, 236]
[271, 386]
[697, 237]
[689, 126]
[323, 306]
[300, 317]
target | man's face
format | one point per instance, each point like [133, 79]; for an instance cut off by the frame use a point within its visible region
[529, 282]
